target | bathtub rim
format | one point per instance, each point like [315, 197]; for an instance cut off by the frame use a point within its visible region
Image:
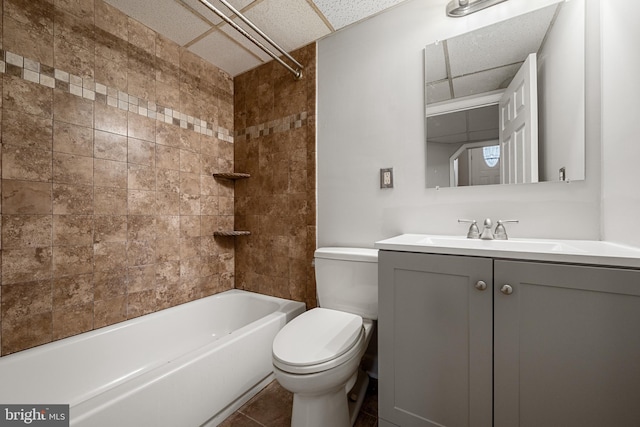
[288, 307]
[29, 352]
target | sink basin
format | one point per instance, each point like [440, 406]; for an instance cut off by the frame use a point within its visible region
[554, 250]
[520, 245]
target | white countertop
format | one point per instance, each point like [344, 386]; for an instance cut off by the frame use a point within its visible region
[569, 251]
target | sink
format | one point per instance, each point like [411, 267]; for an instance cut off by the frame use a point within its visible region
[553, 250]
[520, 245]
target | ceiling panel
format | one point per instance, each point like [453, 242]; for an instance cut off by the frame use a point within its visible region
[485, 81]
[342, 13]
[436, 67]
[223, 52]
[447, 124]
[483, 118]
[238, 38]
[165, 17]
[291, 24]
[479, 124]
[485, 135]
[499, 44]
[438, 91]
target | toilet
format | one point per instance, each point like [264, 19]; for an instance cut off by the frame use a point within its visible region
[317, 355]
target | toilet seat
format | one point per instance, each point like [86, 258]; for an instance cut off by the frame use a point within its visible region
[318, 340]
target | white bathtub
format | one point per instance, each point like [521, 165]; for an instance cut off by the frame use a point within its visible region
[189, 365]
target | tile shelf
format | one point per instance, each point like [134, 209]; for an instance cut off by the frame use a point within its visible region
[231, 233]
[231, 175]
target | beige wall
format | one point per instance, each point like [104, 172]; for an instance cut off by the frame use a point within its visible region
[110, 134]
[275, 143]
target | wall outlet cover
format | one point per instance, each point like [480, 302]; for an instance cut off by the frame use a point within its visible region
[386, 178]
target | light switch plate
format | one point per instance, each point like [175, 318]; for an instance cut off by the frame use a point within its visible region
[386, 178]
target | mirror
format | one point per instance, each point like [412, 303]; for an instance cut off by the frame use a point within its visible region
[476, 84]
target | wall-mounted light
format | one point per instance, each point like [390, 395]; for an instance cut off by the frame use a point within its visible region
[458, 8]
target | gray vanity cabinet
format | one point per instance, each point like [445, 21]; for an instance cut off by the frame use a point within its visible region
[560, 346]
[566, 345]
[435, 346]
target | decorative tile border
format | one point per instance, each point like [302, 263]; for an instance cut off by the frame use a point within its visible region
[27, 69]
[284, 124]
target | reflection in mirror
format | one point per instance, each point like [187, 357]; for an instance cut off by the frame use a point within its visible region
[461, 138]
[471, 94]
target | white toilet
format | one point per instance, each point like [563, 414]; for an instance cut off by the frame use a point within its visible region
[316, 355]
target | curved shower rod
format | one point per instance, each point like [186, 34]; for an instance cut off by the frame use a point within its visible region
[297, 73]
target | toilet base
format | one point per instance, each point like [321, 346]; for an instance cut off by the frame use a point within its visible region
[336, 408]
[356, 395]
[328, 409]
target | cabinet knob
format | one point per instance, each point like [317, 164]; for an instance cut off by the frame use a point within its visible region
[506, 289]
[481, 285]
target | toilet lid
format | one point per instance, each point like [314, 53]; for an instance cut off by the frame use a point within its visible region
[316, 336]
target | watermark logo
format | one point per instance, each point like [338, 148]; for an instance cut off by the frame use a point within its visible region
[34, 415]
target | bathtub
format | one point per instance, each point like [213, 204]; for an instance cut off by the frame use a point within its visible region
[189, 365]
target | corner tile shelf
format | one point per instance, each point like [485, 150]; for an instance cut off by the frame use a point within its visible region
[231, 233]
[232, 176]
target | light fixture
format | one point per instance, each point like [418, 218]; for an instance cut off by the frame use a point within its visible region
[458, 8]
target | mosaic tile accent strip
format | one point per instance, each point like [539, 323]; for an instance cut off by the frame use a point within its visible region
[284, 124]
[27, 69]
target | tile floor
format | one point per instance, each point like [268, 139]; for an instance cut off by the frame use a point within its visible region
[272, 408]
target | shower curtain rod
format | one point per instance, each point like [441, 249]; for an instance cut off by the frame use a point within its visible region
[297, 73]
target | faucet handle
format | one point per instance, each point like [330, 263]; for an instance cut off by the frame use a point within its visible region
[501, 232]
[473, 232]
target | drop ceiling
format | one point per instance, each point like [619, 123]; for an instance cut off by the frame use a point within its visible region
[486, 59]
[290, 23]
[478, 62]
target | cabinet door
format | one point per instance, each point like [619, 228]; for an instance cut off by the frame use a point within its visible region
[435, 340]
[567, 346]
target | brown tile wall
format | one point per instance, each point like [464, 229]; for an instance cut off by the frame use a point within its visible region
[110, 133]
[275, 143]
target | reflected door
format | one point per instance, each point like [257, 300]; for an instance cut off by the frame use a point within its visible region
[519, 126]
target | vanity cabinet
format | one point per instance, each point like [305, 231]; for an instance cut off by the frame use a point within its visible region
[560, 346]
[435, 340]
[567, 345]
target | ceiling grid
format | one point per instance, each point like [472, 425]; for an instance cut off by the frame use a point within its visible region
[290, 23]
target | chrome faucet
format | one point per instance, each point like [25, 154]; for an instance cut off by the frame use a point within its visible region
[501, 232]
[473, 232]
[487, 234]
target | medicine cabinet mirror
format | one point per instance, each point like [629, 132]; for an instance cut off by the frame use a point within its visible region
[506, 103]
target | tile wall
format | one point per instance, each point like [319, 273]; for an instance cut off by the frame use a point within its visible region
[110, 133]
[275, 143]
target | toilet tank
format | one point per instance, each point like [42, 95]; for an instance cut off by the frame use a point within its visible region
[347, 280]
